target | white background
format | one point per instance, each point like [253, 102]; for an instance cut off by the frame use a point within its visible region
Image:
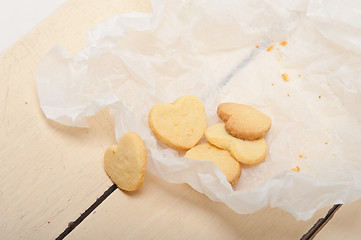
[17, 17]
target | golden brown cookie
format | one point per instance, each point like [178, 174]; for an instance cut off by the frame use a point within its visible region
[179, 125]
[222, 158]
[244, 151]
[126, 162]
[244, 122]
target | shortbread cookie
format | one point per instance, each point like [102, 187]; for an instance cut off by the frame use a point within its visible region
[126, 162]
[244, 151]
[222, 158]
[179, 125]
[244, 122]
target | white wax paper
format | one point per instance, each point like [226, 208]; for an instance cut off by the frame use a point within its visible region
[219, 51]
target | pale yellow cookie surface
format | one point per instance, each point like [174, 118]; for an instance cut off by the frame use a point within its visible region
[126, 162]
[244, 122]
[222, 158]
[179, 125]
[247, 152]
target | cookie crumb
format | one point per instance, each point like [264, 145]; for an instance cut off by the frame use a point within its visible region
[288, 94]
[283, 43]
[257, 46]
[270, 48]
[272, 84]
[296, 169]
[326, 142]
[285, 77]
[301, 156]
[299, 75]
[319, 97]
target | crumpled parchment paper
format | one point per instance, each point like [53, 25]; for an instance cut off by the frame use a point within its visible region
[230, 51]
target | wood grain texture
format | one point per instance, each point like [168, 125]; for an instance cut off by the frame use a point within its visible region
[345, 224]
[49, 173]
[160, 210]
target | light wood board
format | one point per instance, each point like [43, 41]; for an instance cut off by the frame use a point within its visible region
[49, 173]
[161, 210]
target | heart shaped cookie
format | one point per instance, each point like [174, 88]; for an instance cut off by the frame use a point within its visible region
[126, 162]
[244, 122]
[179, 125]
[222, 158]
[247, 152]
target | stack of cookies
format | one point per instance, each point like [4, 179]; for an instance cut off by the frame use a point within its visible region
[181, 124]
